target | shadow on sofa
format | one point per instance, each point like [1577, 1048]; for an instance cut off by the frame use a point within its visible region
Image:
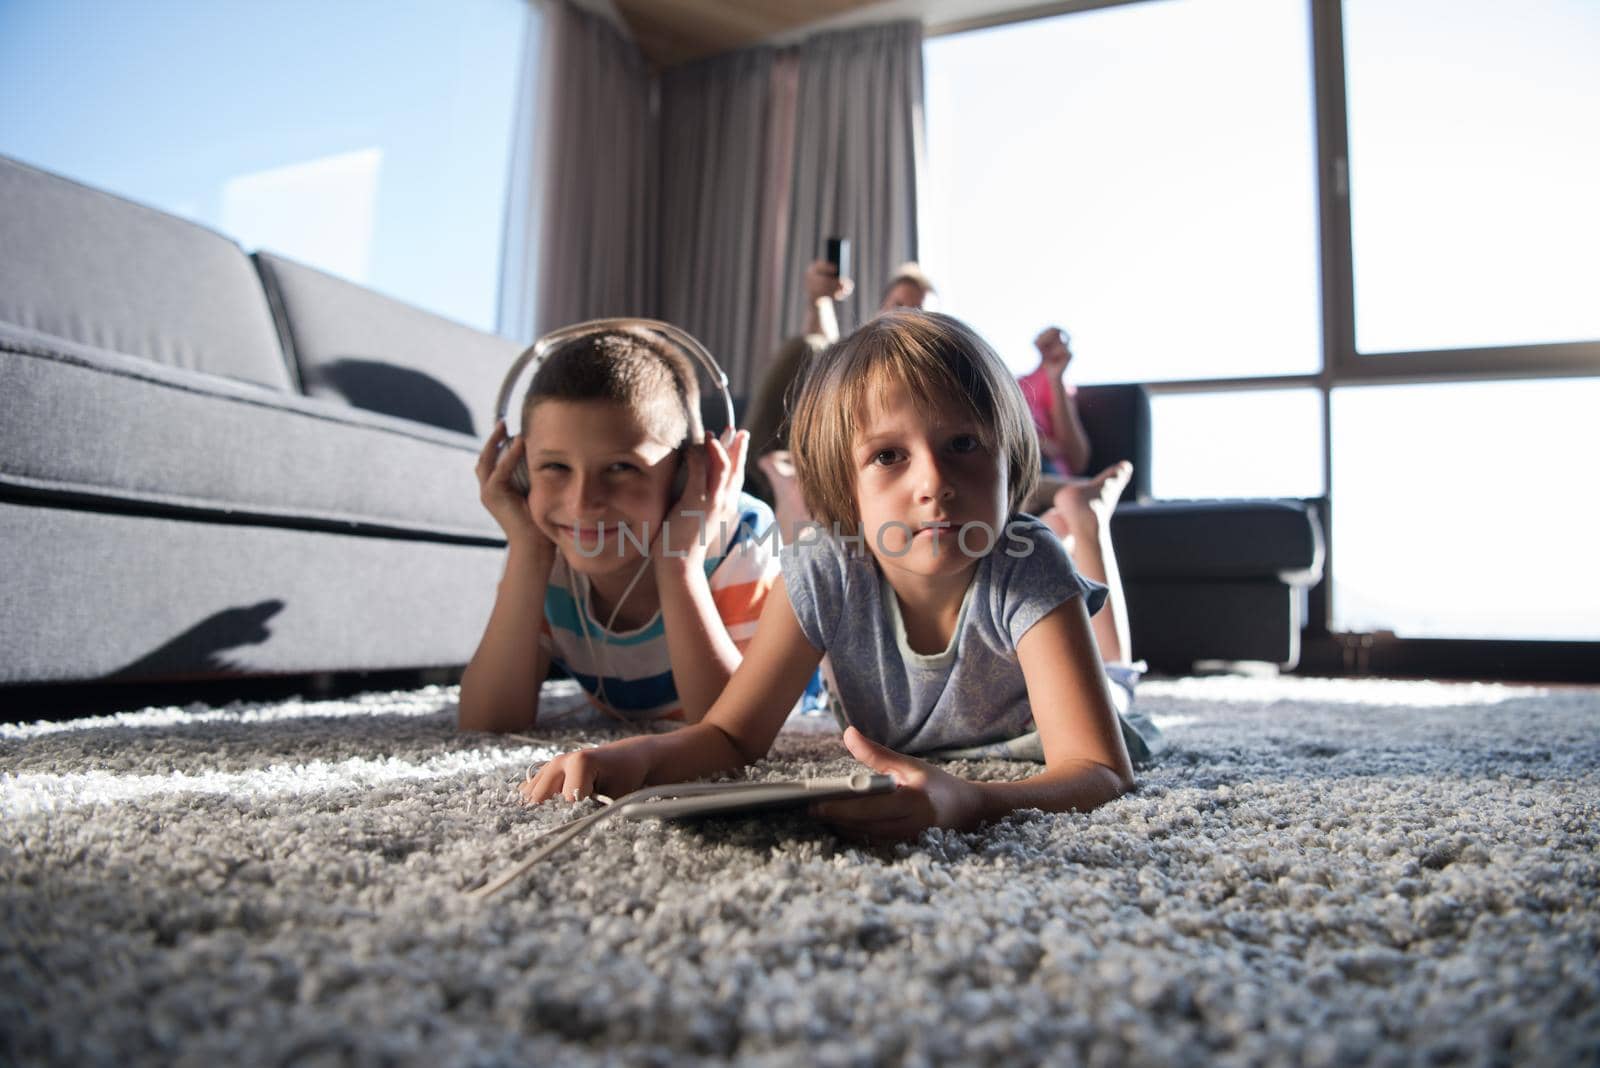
[398, 391]
[199, 650]
[192, 432]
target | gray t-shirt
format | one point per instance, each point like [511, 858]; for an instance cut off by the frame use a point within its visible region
[973, 692]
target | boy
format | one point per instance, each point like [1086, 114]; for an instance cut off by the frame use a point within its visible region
[632, 559]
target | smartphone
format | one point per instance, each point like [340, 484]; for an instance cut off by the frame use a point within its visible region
[838, 254]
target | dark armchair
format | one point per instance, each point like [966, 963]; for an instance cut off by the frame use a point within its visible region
[1206, 580]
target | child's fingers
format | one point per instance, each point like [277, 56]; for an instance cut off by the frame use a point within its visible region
[578, 775]
[491, 449]
[496, 471]
[579, 784]
[717, 465]
[863, 811]
[548, 782]
[508, 460]
[694, 486]
[738, 447]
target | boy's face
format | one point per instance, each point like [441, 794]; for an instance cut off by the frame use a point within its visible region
[932, 498]
[593, 468]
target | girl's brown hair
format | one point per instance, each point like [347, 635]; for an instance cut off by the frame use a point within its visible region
[938, 360]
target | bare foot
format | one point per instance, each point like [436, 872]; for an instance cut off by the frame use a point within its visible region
[1082, 505]
[1083, 511]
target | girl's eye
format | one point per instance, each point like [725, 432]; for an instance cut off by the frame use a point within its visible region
[622, 467]
[553, 467]
[965, 443]
[885, 457]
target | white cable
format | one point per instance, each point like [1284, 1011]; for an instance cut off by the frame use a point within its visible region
[601, 662]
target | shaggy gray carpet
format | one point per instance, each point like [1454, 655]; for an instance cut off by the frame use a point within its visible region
[1319, 872]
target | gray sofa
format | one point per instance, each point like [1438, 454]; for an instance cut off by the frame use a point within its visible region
[216, 464]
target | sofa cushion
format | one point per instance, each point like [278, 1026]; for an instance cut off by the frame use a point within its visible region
[89, 267]
[101, 594]
[86, 425]
[1218, 539]
[363, 348]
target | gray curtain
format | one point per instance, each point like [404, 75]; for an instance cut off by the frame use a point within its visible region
[592, 167]
[719, 203]
[707, 212]
[766, 153]
[859, 157]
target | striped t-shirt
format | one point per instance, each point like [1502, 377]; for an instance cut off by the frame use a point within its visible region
[634, 664]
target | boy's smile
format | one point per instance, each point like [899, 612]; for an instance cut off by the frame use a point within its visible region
[931, 494]
[594, 469]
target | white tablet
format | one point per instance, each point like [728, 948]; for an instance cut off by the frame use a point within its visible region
[730, 798]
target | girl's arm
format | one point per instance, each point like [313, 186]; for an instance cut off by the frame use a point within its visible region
[500, 687]
[1086, 763]
[737, 731]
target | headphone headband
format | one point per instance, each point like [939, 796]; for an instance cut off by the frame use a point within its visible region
[535, 354]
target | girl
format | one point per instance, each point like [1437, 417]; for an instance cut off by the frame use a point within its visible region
[953, 623]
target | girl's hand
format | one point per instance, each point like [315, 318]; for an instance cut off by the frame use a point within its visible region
[710, 497]
[924, 797]
[504, 501]
[613, 770]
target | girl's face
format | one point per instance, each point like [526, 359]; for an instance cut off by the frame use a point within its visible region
[932, 498]
[593, 469]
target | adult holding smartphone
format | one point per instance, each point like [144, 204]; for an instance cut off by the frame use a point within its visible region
[828, 281]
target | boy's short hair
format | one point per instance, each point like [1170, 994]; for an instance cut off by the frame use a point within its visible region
[632, 367]
[936, 358]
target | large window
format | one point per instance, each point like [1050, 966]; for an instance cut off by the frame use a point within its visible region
[1264, 443]
[1256, 206]
[1143, 175]
[368, 138]
[1465, 510]
[1473, 169]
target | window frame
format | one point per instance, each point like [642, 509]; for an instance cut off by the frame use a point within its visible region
[1344, 366]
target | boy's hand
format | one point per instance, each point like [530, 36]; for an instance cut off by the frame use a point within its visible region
[613, 770]
[924, 797]
[710, 497]
[507, 504]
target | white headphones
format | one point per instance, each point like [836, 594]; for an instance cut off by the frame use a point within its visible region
[535, 355]
[530, 361]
